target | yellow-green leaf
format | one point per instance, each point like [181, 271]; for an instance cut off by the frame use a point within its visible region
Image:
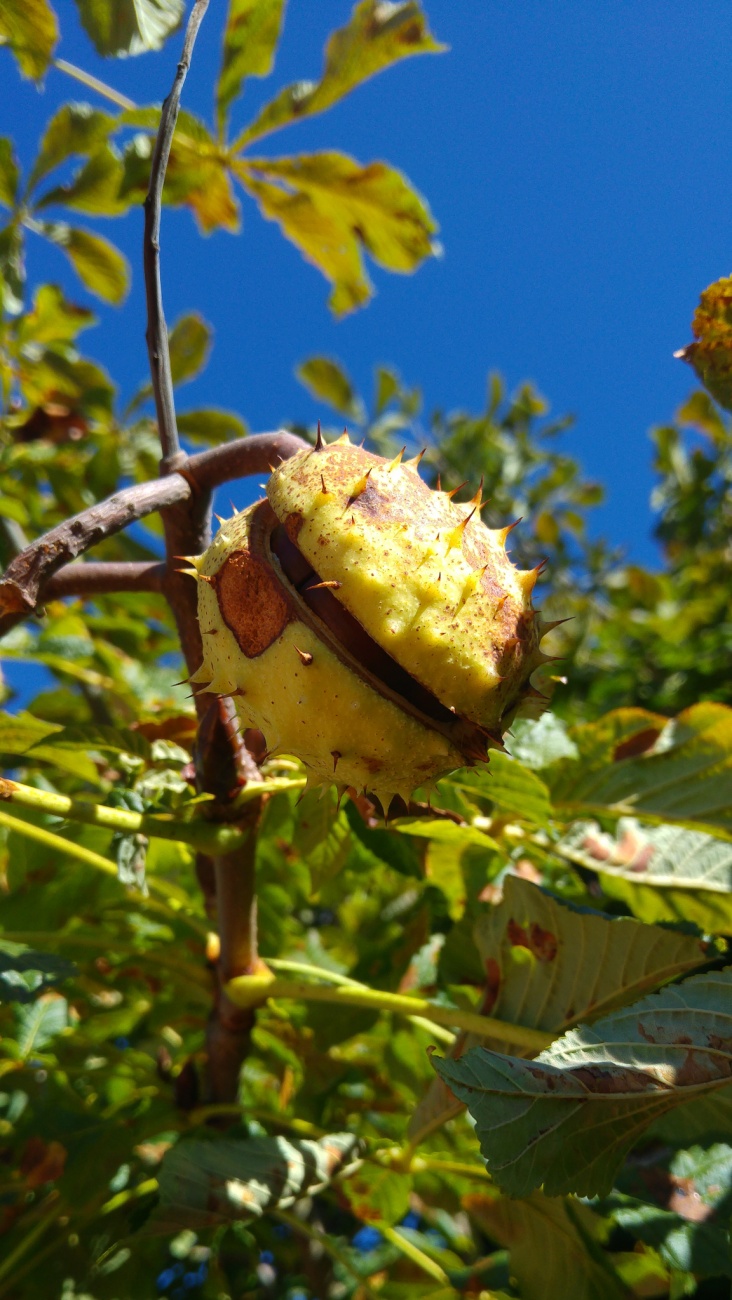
[74, 129]
[377, 35]
[30, 28]
[95, 187]
[711, 353]
[120, 27]
[197, 176]
[328, 380]
[332, 207]
[250, 39]
[9, 173]
[99, 265]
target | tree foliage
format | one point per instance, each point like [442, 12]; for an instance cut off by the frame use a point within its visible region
[488, 1045]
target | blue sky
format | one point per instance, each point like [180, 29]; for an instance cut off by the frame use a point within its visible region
[577, 159]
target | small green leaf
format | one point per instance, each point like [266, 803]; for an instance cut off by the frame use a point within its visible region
[209, 1183]
[99, 265]
[9, 173]
[120, 27]
[250, 39]
[25, 974]
[30, 28]
[377, 36]
[509, 787]
[211, 426]
[39, 1023]
[95, 187]
[12, 268]
[74, 129]
[568, 1118]
[327, 379]
[53, 319]
[547, 1238]
[538, 742]
[332, 207]
[190, 345]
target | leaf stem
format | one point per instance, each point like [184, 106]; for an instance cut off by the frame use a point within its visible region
[251, 990]
[417, 1256]
[206, 836]
[93, 83]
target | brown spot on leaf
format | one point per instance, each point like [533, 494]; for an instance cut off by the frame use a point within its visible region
[492, 986]
[516, 935]
[252, 602]
[543, 943]
[640, 743]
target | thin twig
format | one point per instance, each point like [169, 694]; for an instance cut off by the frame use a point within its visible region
[23, 586]
[157, 332]
[93, 83]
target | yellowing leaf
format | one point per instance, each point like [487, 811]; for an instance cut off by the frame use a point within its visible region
[711, 354]
[250, 39]
[30, 28]
[328, 380]
[378, 34]
[120, 27]
[332, 206]
[9, 173]
[197, 176]
[74, 129]
[100, 265]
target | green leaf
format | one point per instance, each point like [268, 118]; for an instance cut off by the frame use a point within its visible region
[664, 873]
[444, 831]
[190, 345]
[697, 1247]
[74, 129]
[120, 27]
[30, 28]
[548, 1243]
[509, 787]
[25, 974]
[12, 269]
[39, 1023]
[538, 742]
[637, 763]
[99, 265]
[711, 354]
[250, 39]
[567, 1119]
[321, 835]
[211, 426]
[327, 379]
[332, 207]
[95, 187]
[550, 964]
[9, 173]
[53, 319]
[203, 1183]
[377, 36]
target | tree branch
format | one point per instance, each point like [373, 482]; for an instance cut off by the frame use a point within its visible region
[157, 332]
[23, 585]
[94, 578]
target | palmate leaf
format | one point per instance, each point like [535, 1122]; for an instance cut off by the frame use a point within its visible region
[73, 129]
[30, 28]
[94, 188]
[197, 176]
[567, 1119]
[204, 1184]
[376, 36]
[547, 1239]
[332, 207]
[641, 764]
[663, 873]
[120, 27]
[550, 964]
[250, 38]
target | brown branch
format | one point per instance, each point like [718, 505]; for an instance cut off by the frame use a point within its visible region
[157, 332]
[94, 578]
[23, 586]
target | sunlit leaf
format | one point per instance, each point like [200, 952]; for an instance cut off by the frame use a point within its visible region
[12, 268]
[119, 27]
[509, 786]
[547, 1239]
[538, 953]
[250, 39]
[197, 175]
[39, 1023]
[377, 36]
[100, 266]
[95, 187]
[9, 173]
[203, 1184]
[53, 318]
[73, 129]
[711, 354]
[664, 873]
[211, 426]
[30, 28]
[327, 380]
[24, 974]
[644, 765]
[568, 1118]
[332, 207]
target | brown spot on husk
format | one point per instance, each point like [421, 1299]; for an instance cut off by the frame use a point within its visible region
[252, 602]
